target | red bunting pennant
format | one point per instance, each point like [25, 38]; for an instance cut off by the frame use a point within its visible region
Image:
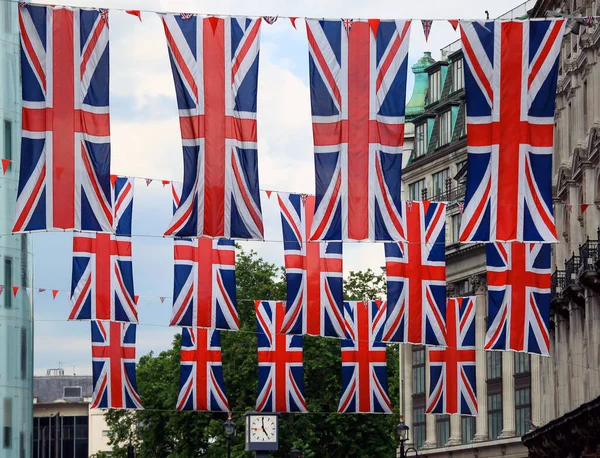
[15, 290]
[135, 13]
[165, 182]
[269, 194]
[113, 179]
[453, 23]
[584, 207]
[374, 24]
[148, 181]
[5, 165]
[214, 21]
[54, 293]
[136, 299]
[293, 21]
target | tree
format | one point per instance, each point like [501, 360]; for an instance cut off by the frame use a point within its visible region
[162, 432]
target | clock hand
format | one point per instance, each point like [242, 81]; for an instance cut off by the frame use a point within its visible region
[263, 428]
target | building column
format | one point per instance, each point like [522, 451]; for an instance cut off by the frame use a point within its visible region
[430, 426]
[455, 430]
[406, 387]
[536, 392]
[508, 394]
[481, 425]
[576, 359]
[562, 368]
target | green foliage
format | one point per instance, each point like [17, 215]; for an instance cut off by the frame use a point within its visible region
[163, 432]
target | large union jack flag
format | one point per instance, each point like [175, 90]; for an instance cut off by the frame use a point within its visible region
[358, 88]
[113, 366]
[416, 276]
[215, 68]
[201, 384]
[511, 70]
[313, 273]
[102, 276]
[519, 278]
[64, 178]
[364, 377]
[204, 290]
[280, 375]
[452, 388]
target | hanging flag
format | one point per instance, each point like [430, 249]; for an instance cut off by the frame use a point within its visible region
[374, 24]
[41, 290]
[453, 23]
[270, 19]
[135, 13]
[427, 24]
[136, 299]
[519, 279]
[452, 387]
[280, 378]
[569, 207]
[461, 207]
[15, 290]
[162, 299]
[364, 377]
[293, 21]
[113, 366]
[347, 25]
[416, 277]
[102, 278]
[268, 194]
[5, 165]
[511, 72]
[204, 291]
[54, 293]
[584, 208]
[148, 181]
[358, 88]
[201, 384]
[314, 273]
[588, 21]
[65, 149]
[1, 289]
[216, 74]
[165, 182]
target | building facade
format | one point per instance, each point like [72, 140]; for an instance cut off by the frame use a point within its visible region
[16, 325]
[569, 420]
[64, 426]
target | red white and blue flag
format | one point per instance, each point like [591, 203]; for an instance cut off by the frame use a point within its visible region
[102, 276]
[313, 272]
[358, 94]
[64, 180]
[364, 377]
[519, 280]
[452, 387]
[201, 384]
[280, 374]
[511, 71]
[204, 291]
[416, 276]
[215, 69]
[113, 366]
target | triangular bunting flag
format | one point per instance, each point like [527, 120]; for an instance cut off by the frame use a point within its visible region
[409, 205]
[269, 194]
[165, 182]
[185, 16]
[426, 205]
[113, 180]
[214, 21]
[5, 164]
[347, 25]
[135, 13]
[136, 299]
[54, 293]
[162, 299]
[374, 24]
[15, 290]
[293, 21]
[584, 207]
[1, 289]
[149, 299]
[270, 19]
[453, 23]
[461, 207]
[427, 23]
[41, 290]
[570, 207]
[148, 181]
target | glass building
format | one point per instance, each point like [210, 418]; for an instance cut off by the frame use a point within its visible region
[16, 310]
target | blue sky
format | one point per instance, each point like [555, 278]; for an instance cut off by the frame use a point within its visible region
[145, 143]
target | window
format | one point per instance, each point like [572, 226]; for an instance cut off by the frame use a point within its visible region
[457, 75]
[420, 139]
[23, 353]
[419, 426]
[494, 415]
[445, 128]
[435, 86]
[439, 183]
[415, 190]
[72, 392]
[442, 427]
[494, 365]
[7, 140]
[105, 432]
[456, 220]
[522, 410]
[8, 294]
[7, 427]
[418, 369]
[585, 107]
[467, 428]
[522, 363]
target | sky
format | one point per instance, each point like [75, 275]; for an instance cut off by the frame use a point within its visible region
[145, 142]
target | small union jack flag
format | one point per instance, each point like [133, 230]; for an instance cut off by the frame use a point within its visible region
[427, 23]
[186, 16]
[270, 19]
[201, 384]
[280, 378]
[452, 388]
[588, 20]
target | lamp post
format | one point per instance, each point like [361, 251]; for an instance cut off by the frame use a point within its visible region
[229, 428]
[402, 430]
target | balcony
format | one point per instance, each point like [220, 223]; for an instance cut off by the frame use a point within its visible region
[451, 193]
[558, 283]
[573, 289]
[589, 274]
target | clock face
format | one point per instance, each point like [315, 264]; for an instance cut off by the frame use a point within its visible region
[263, 428]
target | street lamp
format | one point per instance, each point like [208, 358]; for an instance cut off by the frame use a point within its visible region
[229, 429]
[402, 430]
[296, 453]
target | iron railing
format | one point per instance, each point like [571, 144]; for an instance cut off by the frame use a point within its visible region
[588, 252]
[558, 283]
[572, 270]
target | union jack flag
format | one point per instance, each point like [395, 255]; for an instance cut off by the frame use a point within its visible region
[416, 277]
[65, 149]
[364, 377]
[280, 379]
[427, 23]
[313, 273]
[519, 278]
[201, 384]
[204, 288]
[452, 388]
[102, 277]
[358, 87]
[270, 19]
[113, 366]
[511, 70]
[215, 68]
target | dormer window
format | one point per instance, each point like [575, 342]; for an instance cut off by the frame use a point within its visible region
[420, 139]
[458, 81]
[435, 86]
[445, 128]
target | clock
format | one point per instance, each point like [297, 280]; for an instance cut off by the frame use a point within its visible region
[262, 431]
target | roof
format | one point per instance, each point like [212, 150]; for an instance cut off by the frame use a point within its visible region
[416, 104]
[49, 389]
